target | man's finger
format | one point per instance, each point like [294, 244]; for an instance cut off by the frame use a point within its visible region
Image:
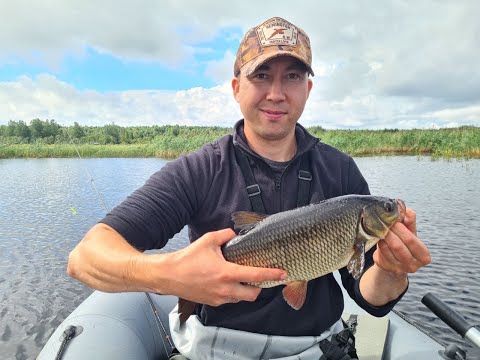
[395, 242]
[220, 237]
[245, 293]
[250, 274]
[410, 220]
[386, 254]
[232, 300]
[415, 247]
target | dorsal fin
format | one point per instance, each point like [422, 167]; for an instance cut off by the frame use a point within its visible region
[246, 220]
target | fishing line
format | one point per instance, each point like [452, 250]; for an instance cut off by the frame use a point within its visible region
[88, 173]
[154, 309]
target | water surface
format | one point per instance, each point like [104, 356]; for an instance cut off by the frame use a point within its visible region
[46, 205]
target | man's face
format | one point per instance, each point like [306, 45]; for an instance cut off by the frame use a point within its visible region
[272, 99]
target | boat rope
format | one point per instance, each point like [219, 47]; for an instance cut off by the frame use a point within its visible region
[152, 305]
[68, 334]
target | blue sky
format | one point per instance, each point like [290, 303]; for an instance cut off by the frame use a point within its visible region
[396, 65]
[102, 71]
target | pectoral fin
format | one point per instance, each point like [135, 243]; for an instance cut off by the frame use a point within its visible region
[362, 240]
[357, 262]
[246, 220]
[185, 309]
[295, 293]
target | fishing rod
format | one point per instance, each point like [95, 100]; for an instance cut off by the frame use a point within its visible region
[158, 321]
[453, 319]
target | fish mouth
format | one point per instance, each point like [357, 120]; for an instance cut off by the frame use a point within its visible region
[402, 210]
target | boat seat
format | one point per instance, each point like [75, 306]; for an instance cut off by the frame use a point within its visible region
[370, 336]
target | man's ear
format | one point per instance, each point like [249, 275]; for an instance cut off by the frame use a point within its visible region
[236, 87]
[310, 85]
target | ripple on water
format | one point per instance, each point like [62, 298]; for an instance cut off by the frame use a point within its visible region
[7, 333]
[34, 251]
[21, 353]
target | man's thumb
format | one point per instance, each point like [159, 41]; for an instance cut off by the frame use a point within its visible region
[223, 236]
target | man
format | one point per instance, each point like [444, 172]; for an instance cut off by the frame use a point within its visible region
[271, 84]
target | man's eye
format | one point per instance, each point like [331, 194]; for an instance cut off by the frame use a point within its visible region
[261, 76]
[293, 76]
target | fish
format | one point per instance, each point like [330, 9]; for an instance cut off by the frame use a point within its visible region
[310, 241]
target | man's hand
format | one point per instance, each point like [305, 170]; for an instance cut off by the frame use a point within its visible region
[401, 252]
[200, 273]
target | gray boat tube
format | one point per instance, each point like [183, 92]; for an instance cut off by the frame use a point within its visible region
[453, 319]
[123, 326]
[119, 326]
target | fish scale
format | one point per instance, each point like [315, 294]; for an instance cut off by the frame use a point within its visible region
[308, 242]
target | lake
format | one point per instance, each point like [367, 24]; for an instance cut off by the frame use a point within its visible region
[46, 206]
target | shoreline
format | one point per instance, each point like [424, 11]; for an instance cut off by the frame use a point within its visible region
[30, 151]
[169, 142]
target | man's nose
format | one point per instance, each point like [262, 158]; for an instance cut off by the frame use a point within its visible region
[276, 91]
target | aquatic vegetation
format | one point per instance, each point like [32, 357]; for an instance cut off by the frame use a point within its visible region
[48, 139]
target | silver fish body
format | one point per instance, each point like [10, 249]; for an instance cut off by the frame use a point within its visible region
[314, 240]
[310, 241]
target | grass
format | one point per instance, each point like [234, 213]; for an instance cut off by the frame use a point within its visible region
[462, 142]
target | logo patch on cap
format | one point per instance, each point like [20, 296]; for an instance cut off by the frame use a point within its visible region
[277, 31]
[274, 37]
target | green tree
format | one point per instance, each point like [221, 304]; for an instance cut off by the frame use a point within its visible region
[51, 128]
[77, 131]
[19, 128]
[37, 129]
[112, 133]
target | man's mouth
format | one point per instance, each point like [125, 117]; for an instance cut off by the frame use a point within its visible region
[273, 114]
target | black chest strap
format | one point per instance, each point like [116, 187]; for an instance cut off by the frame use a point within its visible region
[254, 191]
[304, 180]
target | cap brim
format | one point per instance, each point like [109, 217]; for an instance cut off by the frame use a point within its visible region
[249, 68]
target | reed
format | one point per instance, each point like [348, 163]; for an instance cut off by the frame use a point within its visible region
[462, 142]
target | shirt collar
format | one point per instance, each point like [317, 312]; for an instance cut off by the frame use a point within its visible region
[305, 140]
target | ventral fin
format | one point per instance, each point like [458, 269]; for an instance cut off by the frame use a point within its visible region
[295, 293]
[246, 220]
[357, 262]
[185, 309]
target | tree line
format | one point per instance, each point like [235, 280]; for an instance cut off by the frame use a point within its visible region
[50, 132]
[19, 139]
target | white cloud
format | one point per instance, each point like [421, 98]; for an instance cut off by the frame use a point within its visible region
[395, 64]
[470, 114]
[221, 71]
[46, 97]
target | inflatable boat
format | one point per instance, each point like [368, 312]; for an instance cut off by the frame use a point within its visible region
[130, 326]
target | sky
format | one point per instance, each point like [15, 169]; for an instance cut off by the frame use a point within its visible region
[378, 64]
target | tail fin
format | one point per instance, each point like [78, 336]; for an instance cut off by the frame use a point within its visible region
[185, 309]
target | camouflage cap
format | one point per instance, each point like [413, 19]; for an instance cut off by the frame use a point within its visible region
[275, 37]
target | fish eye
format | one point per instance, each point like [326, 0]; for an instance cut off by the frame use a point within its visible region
[388, 206]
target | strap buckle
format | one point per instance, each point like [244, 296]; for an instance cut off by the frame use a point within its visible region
[253, 190]
[305, 175]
